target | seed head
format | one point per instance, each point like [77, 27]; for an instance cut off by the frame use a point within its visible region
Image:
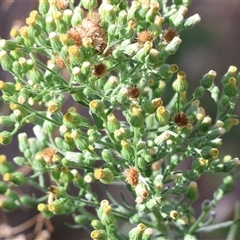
[132, 176]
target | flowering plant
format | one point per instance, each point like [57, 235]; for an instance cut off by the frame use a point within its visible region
[112, 60]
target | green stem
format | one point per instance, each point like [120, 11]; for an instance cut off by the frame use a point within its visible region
[232, 234]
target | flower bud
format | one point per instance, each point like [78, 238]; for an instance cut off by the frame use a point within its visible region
[147, 234]
[20, 161]
[57, 206]
[192, 191]
[43, 7]
[97, 225]
[136, 119]
[55, 41]
[78, 15]
[108, 156]
[23, 143]
[89, 4]
[208, 152]
[205, 124]
[5, 138]
[230, 165]
[8, 204]
[72, 119]
[127, 151]
[162, 116]
[66, 176]
[122, 133]
[112, 123]
[98, 235]
[17, 178]
[232, 70]
[3, 187]
[150, 106]
[6, 61]
[207, 79]
[172, 47]
[191, 21]
[136, 233]
[230, 88]
[28, 201]
[8, 44]
[199, 92]
[215, 133]
[180, 84]
[105, 175]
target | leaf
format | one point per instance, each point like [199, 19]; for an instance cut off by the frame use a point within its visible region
[217, 226]
[97, 120]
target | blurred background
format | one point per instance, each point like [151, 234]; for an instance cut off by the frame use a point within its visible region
[213, 44]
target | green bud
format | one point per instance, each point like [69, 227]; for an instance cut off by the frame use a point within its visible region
[72, 119]
[215, 133]
[108, 156]
[127, 151]
[17, 178]
[94, 136]
[162, 116]
[78, 15]
[66, 176]
[55, 174]
[105, 175]
[55, 41]
[172, 47]
[50, 24]
[5, 61]
[5, 138]
[136, 233]
[7, 120]
[80, 219]
[167, 210]
[208, 152]
[23, 143]
[192, 193]
[3, 187]
[121, 133]
[89, 4]
[8, 204]
[67, 16]
[180, 84]
[192, 21]
[76, 157]
[64, 145]
[20, 161]
[232, 70]
[28, 201]
[208, 79]
[192, 175]
[39, 165]
[147, 234]
[199, 92]
[228, 166]
[43, 7]
[228, 182]
[99, 235]
[8, 44]
[80, 140]
[230, 88]
[96, 224]
[205, 124]
[57, 206]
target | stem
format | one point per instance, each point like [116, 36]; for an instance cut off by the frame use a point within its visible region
[232, 234]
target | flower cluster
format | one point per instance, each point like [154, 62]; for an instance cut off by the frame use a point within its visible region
[112, 59]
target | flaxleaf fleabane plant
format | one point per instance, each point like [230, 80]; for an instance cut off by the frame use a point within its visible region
[112, 60]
